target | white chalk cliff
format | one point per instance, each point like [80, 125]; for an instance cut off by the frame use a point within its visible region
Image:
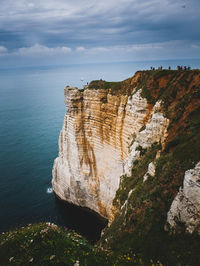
[185, 209]
[98, 142]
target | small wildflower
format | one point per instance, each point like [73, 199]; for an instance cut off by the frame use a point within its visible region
[76, 263]
[54, 226]
[52, 257]
[11, 258]
[31, 240]
[44, 231]
[31, 260]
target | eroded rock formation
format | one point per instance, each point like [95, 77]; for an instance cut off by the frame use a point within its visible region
[98, 143]
[184, 214]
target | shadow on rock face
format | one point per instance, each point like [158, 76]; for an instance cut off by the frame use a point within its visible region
[82, 220]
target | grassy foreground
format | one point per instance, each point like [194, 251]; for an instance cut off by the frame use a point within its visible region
[48, 244]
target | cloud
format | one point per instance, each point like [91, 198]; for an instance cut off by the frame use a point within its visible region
[3, 50]
[129, 48]
[81, 49]
[92, 27]
[41, 50]
[92, 20]
[149, 51]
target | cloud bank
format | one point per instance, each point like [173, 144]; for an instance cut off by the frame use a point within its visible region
[93, 29]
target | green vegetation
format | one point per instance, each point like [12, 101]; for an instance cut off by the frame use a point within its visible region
[138, 172]
[141, 150]
[138, 227]
[114, 88]
[47, 244]
[102, 84]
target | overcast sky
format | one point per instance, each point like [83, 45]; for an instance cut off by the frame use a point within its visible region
[78, 31]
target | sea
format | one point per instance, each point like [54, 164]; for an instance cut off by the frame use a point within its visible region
[31, 116]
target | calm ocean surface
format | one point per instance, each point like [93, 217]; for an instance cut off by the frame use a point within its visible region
[31, 115]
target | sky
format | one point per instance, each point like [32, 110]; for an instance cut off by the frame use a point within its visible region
[35, 32]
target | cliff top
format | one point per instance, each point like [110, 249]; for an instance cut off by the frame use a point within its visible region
[155, 79]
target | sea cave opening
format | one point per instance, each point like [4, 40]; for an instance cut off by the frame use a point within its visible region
[82, 220]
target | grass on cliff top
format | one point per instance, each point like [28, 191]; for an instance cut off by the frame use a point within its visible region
[149, 83]
[176, 81]
[113, 87]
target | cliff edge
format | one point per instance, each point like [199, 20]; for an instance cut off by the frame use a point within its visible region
[110, 129]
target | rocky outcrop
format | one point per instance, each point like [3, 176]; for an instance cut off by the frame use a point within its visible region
[150, 172]
[98, 143]
[155, 131]
[184, 213]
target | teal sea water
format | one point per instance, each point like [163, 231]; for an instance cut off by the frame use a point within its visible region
[31, 115]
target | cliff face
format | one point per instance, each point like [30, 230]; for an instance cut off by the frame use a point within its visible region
[102, 132]
[130, 151]
[91, 149]
[111, 129]
[96, 144]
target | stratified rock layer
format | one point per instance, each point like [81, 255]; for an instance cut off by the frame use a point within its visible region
[98, 144]
[184, 213]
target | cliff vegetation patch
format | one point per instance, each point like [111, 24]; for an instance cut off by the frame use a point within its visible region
[114, 88]
[47, 244]
[139, 226]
